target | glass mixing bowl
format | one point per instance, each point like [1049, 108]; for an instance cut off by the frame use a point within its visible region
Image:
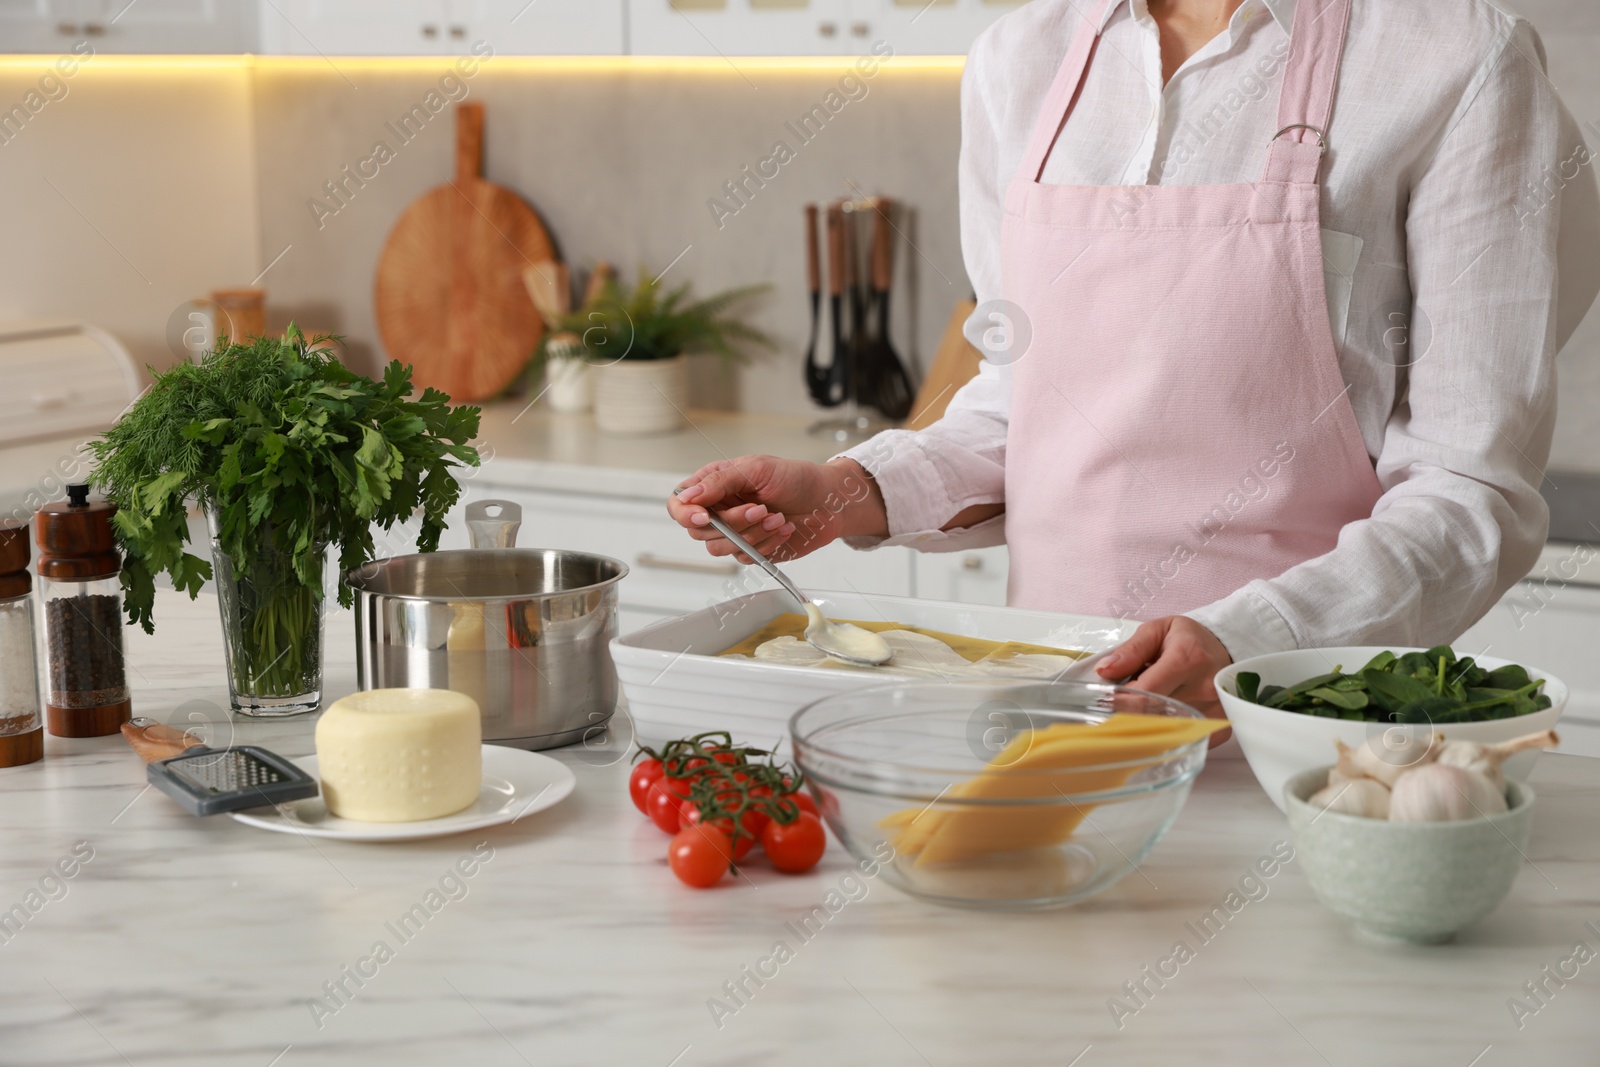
[887, 765]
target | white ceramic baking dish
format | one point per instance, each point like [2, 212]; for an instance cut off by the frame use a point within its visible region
[675, 684]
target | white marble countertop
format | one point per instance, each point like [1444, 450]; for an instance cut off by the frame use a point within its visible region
[188, 941]
[535, 448]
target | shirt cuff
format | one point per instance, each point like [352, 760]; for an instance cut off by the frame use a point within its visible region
[1247, 624]
[904, 474]
[915, 498]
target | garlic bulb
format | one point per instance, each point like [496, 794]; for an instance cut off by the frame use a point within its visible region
[1486, 759]
[1366, 797]
[1439, 792]
[1346, 769]
[1402, 750]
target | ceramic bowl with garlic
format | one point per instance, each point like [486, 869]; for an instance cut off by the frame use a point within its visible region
[1280, 744]
[1414, 851]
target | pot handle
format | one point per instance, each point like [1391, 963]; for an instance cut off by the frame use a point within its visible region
[494, 523]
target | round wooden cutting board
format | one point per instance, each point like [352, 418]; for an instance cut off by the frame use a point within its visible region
[449, 297]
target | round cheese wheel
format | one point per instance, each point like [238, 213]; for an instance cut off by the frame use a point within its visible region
[400, 755]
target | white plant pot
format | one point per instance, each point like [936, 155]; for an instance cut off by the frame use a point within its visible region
[641, 396]
[571, 385]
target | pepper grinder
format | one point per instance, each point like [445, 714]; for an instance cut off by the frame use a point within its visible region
[21, 731]
[86, 689]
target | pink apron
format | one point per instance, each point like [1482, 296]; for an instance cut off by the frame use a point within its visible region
[1179, 425]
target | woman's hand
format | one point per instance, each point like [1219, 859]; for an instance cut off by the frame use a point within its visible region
[784, 508]
[1175, 657]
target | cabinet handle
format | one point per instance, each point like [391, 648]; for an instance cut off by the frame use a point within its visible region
[972, 563]
[860, 29]
[429, 30]
[67, 29]
[458, 32]
[828, 29]
[94, 29]
[652, 561]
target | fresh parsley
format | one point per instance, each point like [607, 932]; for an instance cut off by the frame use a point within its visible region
[294, 452]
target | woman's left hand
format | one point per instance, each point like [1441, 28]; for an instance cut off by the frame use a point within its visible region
[1175, 657]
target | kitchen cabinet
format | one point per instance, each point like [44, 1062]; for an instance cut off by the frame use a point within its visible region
[928, 27]
[1551, 620]
[973, 577]
[442, 27]
[808, 27]
[121, 26]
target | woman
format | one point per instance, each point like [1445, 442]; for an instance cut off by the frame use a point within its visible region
[1272, 297]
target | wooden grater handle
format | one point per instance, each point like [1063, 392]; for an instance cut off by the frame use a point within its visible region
[153, 741]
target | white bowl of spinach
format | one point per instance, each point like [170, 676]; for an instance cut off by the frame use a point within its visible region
[1288, 708]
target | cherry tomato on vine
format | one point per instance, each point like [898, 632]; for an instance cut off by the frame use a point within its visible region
[804, 802]
[645, 772]
[699, 855]
[741, 842]
[662, 806]
[797, 846]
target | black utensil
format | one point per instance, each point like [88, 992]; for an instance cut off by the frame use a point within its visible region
[887, 387]
[816, 374]
[838, 381]
[858, 344]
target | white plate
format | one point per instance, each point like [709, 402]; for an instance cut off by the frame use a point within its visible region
[515, 783]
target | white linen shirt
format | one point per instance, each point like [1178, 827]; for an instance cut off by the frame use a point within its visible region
[1454, 179]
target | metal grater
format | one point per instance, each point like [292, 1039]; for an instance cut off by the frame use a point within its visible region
[208, 780]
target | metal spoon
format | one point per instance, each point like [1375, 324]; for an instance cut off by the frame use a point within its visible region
[840, 640]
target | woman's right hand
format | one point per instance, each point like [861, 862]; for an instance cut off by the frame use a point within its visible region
[785, 508]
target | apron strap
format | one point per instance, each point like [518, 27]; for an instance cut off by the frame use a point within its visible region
[1305, 101]
[1063, 91]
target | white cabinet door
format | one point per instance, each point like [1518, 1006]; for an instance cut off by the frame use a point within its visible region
[740, 28]
[974, 577]
[925, 27]
[442, 27]
[119, 27]
[1555, 627]
[540, 27]
[357, 27]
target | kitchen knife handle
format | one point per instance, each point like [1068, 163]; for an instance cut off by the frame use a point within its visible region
[813, 265]
[882, 244]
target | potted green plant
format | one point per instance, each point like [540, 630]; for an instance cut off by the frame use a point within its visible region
[637, 341]
[289, 453]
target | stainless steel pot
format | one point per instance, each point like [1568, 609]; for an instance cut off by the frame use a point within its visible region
[526, 632]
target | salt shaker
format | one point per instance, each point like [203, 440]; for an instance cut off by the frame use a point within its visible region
[86, 689]
[21, 732]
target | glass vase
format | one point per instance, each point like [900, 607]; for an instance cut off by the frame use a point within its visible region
[271, 628]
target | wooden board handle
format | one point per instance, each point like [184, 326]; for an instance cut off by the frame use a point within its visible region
[835, 250]
[469, 142]
[813, 266]
[883, 245]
